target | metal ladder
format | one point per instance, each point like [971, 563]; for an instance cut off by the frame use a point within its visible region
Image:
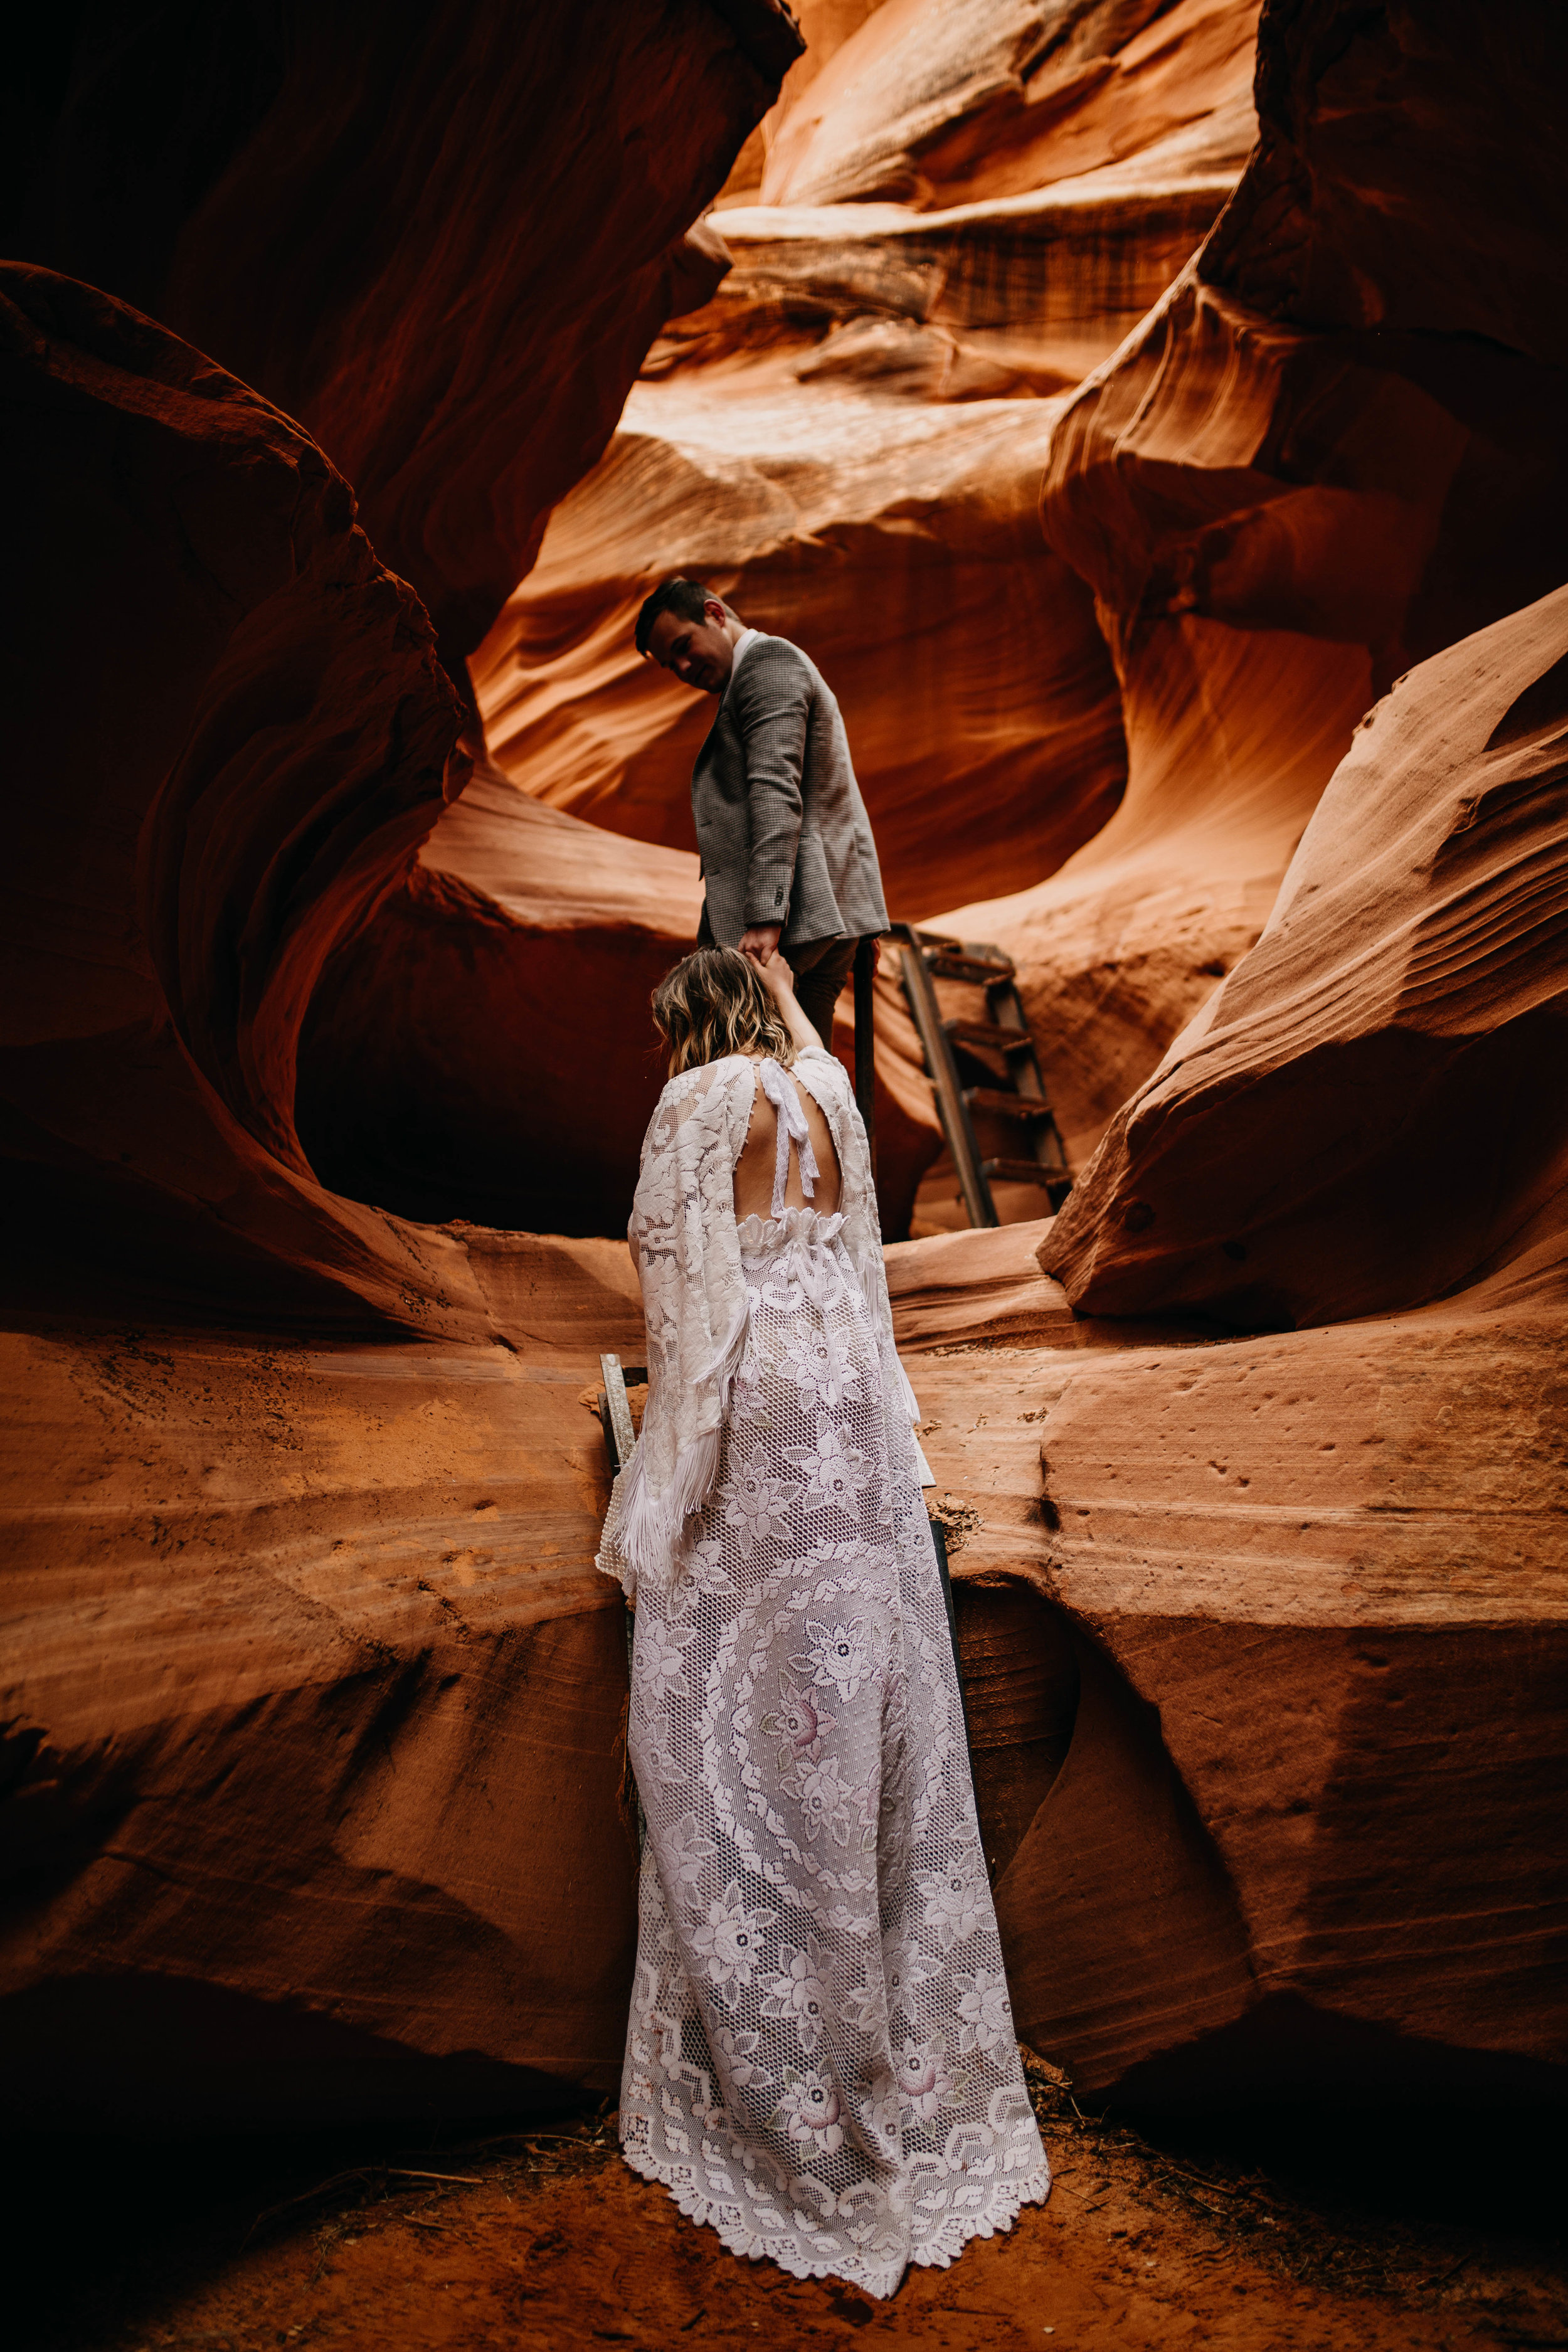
[1019, 1098]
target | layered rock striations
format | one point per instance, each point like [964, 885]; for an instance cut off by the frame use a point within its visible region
[951, 100]
[847, 441]
[300, 1496]
[1264, 1639]
[236, 1493]
[1294, 1612]
[1313, 1582]
[901, 550]
[1362, 1118]
[314, 1803]
[1331, 452]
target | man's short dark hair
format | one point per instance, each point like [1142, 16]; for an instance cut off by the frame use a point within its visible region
[688, 598]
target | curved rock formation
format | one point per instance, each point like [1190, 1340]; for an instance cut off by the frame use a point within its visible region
[483, 1050]
[267, 740]
[312, 1800]
[848, 442]
[231, 1528]
[300, 1500]
[441, 237]
[1327, 455]
[1313, 1583]
[312, 1792]
[1284, 1635]
[1357, 1120]
[945, 102]
[906, 561]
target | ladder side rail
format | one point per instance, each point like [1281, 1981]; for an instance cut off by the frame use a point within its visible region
[939, 1545]
[866, 1050]
[1006, 1009]
[615, 1420]
[615, 1413]
[944, 1073]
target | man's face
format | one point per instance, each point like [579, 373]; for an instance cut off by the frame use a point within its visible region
[698, 652]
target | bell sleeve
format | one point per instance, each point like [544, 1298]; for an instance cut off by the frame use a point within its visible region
[683, 1229]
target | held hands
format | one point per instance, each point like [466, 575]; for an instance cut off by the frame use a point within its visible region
[773, 972]
[761, 942]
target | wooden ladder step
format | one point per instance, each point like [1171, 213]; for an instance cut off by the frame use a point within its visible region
[991, 1035]
[1004, 1106]
[930, 956]
[1023, 1171]
[958, 962]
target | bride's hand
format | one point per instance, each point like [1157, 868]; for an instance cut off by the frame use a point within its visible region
[775, 976]
[779, 981]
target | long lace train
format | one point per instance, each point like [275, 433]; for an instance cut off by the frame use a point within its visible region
[820, 2060]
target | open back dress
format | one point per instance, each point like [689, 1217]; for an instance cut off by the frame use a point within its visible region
[820, 2060]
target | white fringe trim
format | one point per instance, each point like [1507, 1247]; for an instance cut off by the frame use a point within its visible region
[644, 1530]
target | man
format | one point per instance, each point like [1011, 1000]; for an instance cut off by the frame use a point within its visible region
[787, 854]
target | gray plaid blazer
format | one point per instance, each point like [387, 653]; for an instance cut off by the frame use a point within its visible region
[782, 828]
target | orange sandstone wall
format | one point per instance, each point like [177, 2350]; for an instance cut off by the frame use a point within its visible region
[946, 102]
[847, 438]
[1269, 1756]
[266, 736]
[1357, 1119]
[300, 1498]
[442, 237]
[313, 1713]
[1332, 450]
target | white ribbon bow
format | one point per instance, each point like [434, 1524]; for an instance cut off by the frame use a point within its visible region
[782, 1092]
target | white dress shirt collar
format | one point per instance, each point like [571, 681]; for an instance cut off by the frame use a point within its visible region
[743, 645]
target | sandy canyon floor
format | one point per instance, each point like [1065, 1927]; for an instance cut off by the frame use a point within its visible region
[1341, 2236]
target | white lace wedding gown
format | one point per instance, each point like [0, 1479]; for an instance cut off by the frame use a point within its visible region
[820, 2060]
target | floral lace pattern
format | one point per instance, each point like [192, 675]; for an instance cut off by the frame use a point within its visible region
[820, 2060]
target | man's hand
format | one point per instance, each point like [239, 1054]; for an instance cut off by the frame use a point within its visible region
[761, 941]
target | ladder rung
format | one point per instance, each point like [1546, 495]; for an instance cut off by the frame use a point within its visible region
[946, 963]
[1023, 1171]
[989, 1034]
[1005, 1105]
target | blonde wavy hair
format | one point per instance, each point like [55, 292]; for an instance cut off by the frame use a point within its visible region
[713, 1003]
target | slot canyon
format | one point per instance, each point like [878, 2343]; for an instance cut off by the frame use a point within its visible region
[1151, 417]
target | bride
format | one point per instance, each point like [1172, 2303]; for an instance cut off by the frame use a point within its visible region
[820, 2060]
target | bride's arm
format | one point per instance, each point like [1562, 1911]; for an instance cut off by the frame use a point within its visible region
[779, 981]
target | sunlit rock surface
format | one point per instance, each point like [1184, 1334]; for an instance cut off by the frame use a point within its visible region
[941, 101]
[847, 441]
[1359, 1119]
[1330, 453]
[1269, 1765]
[313, 1698]
[899, 545]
